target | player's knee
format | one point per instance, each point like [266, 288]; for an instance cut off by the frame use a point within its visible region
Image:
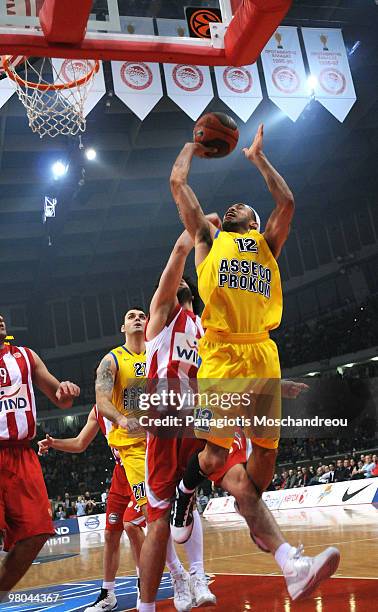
[112, 536]
[213, 458]
[132, 531]
[159, 530]
[265, 456]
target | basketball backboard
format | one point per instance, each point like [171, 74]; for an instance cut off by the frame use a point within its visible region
[140, 29]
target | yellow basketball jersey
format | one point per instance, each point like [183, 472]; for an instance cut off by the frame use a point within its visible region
[128, 384]
[240, 285]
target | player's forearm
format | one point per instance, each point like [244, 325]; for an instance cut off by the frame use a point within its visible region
[189, 209]
[107, 409]
[69, 445]
[276, 184]
[181, 167]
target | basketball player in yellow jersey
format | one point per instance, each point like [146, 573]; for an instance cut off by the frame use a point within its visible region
[239, 283]
[120, 379]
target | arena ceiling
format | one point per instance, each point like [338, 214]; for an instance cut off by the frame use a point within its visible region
[118, 227]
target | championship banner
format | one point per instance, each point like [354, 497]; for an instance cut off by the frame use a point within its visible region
[284, 72]
[69, 70]
[138, 85]
[189, 87]
[332, 81]
[239, 88]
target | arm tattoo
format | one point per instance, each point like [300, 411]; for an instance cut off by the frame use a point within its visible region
[105, 377]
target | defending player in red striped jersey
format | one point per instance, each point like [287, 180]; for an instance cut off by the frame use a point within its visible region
[122, 510]
[172, 335]
[22, 488]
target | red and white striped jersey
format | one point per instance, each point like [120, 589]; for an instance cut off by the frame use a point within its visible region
[106, 426]
[17, 402]
[173, 353]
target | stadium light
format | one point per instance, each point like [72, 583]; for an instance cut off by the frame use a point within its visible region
[312, 82]
[59, 169]
[90, 154]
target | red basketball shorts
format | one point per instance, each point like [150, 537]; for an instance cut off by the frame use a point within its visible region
[25, 509]
[165, 464]
[121, 506]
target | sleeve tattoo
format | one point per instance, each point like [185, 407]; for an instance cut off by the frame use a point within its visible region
[105, 377]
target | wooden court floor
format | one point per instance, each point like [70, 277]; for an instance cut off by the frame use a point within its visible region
[243, 578]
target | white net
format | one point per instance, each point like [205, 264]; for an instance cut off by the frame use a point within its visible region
[53, 92]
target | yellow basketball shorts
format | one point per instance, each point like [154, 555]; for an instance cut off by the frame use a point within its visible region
[133, 459]
[244, 365]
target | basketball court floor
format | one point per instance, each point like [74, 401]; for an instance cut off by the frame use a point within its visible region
[242, 577]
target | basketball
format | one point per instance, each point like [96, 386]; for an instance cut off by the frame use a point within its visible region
[217, 130]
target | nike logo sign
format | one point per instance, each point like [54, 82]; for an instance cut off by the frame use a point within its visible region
[348, 496]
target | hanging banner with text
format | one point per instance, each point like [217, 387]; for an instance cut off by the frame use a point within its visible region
[239, 88]
[189, 87]
[332, 80]
[284, 72]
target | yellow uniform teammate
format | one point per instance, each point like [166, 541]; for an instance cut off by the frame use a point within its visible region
[120, 378]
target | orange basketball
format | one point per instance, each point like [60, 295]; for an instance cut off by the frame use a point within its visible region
[217, 130]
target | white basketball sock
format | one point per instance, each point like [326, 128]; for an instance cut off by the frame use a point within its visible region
[194, 546]
[172, 561]
[147, 607]
[282, 554]
[109, 586]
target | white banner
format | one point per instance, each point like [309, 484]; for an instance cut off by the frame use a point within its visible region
[332, 81]
[351, 492]
[7, 89]
[239, 88]
[69, 70]
[138, 85]
[284, 72]
[92, 522]
[189, 87]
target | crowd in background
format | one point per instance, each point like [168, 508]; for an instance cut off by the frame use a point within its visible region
[338, 333]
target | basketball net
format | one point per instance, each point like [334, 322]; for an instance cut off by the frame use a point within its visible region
[53, 92]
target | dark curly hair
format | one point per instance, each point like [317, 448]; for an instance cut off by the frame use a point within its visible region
[196, 300]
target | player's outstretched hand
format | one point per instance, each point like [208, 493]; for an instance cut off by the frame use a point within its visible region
[291, 389]
[66, 392]
[256, 148]
[44, 445]
[199, 150]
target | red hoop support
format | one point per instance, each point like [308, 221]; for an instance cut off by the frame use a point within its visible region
[253, 24]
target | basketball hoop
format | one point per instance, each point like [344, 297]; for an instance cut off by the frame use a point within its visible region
[53, 92]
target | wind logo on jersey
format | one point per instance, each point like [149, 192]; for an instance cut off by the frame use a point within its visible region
[185, 348]
[14, 399]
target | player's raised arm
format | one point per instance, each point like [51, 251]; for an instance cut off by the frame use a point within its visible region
[61, 394]
[190, 211]
[164, 299]
[79, 444]
[278, 225]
